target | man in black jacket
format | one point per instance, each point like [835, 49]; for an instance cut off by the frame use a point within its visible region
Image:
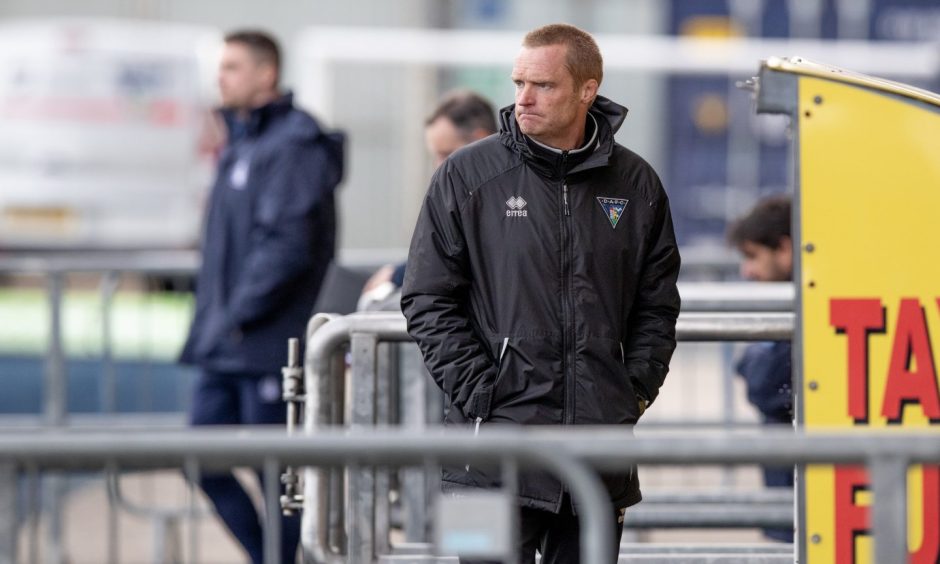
[541, 282]
[269, 237]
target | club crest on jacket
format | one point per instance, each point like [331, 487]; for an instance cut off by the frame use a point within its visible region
[613, 208]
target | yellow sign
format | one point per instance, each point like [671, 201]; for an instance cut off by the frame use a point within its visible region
[869, 275]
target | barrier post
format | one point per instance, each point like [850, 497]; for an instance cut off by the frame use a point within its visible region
[8, 513]
[360, 518]
[889, 519]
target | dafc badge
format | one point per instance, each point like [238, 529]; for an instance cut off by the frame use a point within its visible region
[613, 209]
[516, 207]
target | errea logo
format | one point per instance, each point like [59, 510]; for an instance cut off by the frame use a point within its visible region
[516, 207]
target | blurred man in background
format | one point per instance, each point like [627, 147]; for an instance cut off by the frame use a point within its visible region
[461, 118]
[541, 282]
[763, 239]
[269, 237]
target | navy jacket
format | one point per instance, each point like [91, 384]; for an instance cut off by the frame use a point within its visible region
[270, 234]
[767, 369]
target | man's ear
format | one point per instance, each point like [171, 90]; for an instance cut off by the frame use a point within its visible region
[269, 75]
[589, 91]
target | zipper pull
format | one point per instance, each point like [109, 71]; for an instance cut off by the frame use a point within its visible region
[565, 191]
[476, 431]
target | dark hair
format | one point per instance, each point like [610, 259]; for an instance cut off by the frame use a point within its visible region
[766, 224]
[262, 45]
[583, 57]
[467, 110]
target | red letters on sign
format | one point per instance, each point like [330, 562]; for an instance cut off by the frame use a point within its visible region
[912, 375]
[852, 519]
[907, 385]
[911, 380]
[856, 318]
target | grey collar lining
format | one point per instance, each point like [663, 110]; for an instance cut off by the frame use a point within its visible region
[589, 146]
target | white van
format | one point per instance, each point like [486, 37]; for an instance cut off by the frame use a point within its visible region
[106, 137]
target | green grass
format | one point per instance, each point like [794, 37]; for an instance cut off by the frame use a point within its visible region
[143, 325]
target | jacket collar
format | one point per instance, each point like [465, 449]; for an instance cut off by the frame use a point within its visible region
[588, 147]
[607, 115]
[258, 118]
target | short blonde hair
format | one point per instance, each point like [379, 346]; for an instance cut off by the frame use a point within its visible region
[583, 57]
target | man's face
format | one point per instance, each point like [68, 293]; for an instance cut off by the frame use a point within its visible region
[766, 264]
[549, 105]
[442, 138]
[242, 78]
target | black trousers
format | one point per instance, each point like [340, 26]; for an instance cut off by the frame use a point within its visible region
[556, 536]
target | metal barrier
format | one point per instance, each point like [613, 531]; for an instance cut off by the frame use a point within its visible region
[571, 452]
[721, 509]
[55, 269]
[167, 522]
[635, 553]
[716, 297]
[328, 523]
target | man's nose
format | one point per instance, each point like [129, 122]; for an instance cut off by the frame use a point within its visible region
[524, 96]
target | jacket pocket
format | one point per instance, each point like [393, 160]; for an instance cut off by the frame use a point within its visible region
[503, 347]
[527, 388]
[605, 393]
[478, 422]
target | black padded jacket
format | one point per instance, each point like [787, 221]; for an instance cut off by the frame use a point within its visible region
[541, 288]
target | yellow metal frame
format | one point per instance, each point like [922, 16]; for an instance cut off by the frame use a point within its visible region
[805, 67]
[868, 173]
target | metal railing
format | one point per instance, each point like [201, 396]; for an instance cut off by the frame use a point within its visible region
[716, 297]
[572, 453]
[722, 509]
[329, 524]
[56, 269]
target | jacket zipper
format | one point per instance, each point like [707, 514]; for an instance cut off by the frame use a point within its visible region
[567, 310]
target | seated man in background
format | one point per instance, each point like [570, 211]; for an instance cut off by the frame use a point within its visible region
[461, 118]
[763, 238]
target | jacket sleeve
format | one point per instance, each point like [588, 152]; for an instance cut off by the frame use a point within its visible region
[292, 220]
[767, 369]
[435, 298]
[651, 329]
